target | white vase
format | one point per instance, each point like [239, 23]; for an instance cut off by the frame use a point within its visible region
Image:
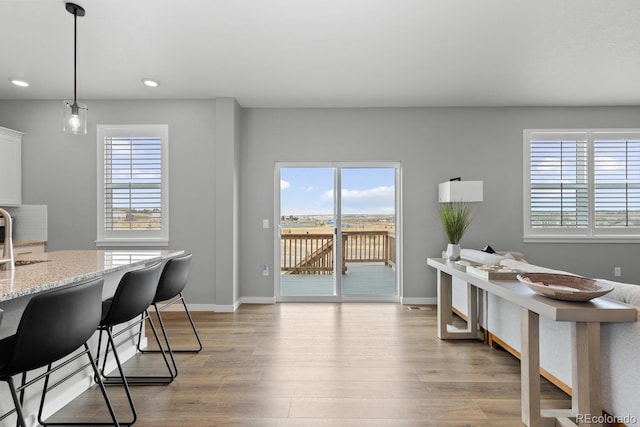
[453, 252]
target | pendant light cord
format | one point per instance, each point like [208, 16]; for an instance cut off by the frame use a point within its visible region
[75, 54]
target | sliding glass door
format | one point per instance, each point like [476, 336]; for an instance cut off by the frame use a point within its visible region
[368, 224]
[307, 239]
[337, 245]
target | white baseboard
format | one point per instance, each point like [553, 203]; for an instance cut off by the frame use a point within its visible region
[258, 300]
[419, 301]
[244, 300]
[219, 308]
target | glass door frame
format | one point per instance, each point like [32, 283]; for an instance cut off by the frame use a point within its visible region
[338, 297]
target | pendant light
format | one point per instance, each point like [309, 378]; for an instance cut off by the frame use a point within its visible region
[75, 114]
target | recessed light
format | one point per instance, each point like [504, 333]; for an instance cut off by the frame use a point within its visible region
[19, 82]
[150, 83]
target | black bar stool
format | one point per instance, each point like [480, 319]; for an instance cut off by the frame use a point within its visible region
[172, 282]
[53, 326]
[133, 296]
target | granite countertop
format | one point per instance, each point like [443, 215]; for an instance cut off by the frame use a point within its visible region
[39, 272]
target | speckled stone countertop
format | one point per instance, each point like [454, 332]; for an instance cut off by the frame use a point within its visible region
[59, 268]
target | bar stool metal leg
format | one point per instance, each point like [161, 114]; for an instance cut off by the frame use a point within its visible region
[103, 391]
[173, 281]
[191, 322]
[169, 349]
[20, 422]
[123, 379]
[138, 379]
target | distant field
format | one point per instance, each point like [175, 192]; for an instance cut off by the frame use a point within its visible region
[138, 221]
[324, 224]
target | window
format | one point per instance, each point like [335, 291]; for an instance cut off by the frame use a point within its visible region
[132, 185]
[582, 185]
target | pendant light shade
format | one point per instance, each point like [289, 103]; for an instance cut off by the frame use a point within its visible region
[75, 113]
[75, 117]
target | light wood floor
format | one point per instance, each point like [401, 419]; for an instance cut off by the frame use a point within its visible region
[329, 365]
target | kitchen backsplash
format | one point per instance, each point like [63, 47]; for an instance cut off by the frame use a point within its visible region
[30, 222]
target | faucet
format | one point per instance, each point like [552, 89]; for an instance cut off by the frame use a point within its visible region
[6, 260]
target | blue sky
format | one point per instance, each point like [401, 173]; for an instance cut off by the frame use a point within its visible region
[309, 191]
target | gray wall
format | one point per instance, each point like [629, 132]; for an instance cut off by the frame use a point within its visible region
[433, 145]
[227, 174]
[59, 170]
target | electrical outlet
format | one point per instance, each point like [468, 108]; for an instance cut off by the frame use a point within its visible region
[617, 271]
[265, 270]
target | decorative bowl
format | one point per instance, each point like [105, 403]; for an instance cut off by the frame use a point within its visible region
[564, 287]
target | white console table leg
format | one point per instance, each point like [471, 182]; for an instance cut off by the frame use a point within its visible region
[530, 367]
[444, 303]
[586, 394]
[446, 329]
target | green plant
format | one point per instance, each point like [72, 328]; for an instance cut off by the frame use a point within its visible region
[455, 217]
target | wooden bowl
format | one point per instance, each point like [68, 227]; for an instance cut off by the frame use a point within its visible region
[565, 287]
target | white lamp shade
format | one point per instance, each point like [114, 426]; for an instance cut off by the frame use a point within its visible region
[460, 191]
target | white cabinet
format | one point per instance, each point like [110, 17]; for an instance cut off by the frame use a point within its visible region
[10, 167]
[28, 248]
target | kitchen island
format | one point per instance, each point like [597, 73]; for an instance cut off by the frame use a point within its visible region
[40, 272]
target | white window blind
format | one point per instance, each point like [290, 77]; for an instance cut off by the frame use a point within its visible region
[132, 185]
[617, 183]
[558, 186]
[582, 185]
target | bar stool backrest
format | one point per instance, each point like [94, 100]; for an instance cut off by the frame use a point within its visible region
[53, 325]
[174, 277]
[133, 296]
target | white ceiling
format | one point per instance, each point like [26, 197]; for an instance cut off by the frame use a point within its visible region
[329, 53]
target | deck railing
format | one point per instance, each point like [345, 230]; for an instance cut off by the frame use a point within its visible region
[313, 253]
[306, 253]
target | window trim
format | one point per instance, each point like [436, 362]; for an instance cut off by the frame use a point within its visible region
[128, 238]
[590, 234]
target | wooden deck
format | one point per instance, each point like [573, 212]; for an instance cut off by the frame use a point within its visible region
[359, 279]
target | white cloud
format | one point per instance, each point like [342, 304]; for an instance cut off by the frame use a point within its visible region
[610, 164]
[284, 184]
[378, 193]
[377, 200]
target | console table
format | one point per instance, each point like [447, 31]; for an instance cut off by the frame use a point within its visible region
[585, 317]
